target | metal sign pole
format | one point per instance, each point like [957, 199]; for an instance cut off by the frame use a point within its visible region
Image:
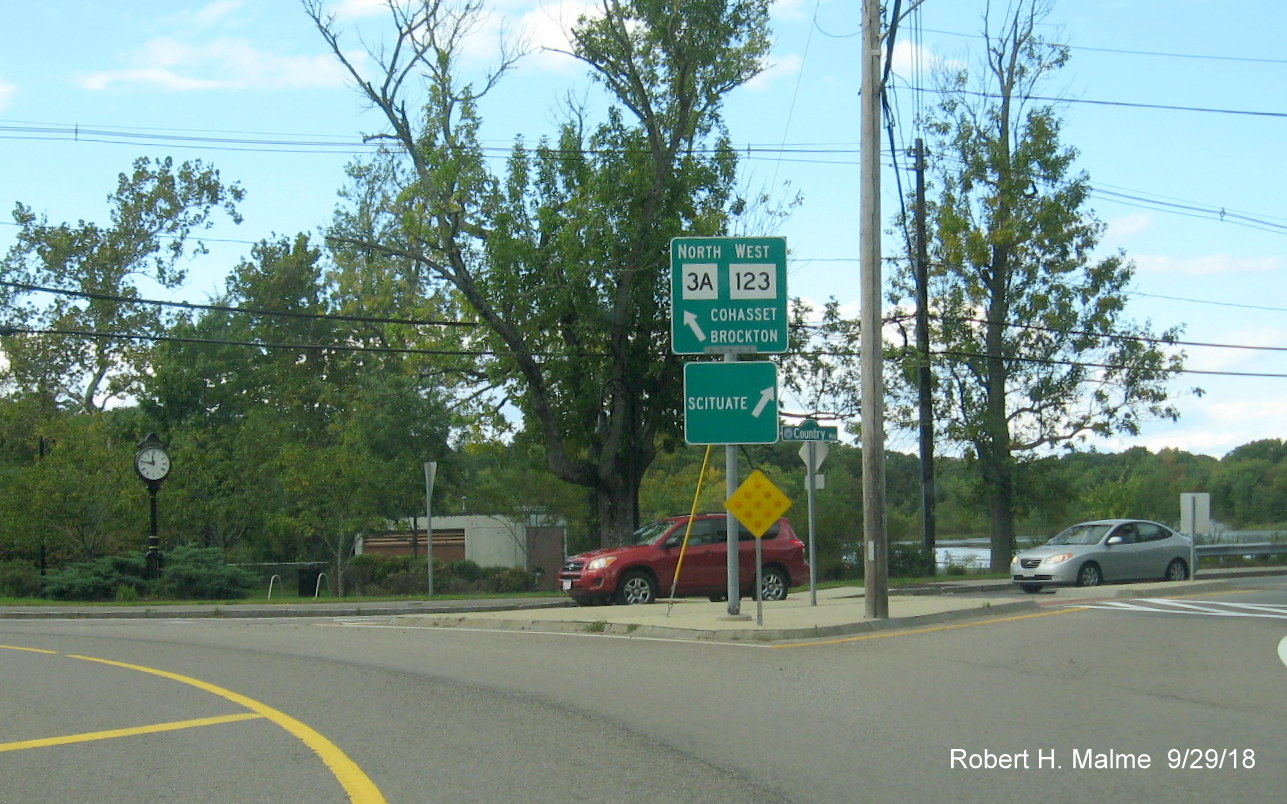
[431, 469]
[812, 473]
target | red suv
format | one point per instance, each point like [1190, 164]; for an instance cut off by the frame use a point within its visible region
[644, 569]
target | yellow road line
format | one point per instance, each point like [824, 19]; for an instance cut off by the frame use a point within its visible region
[356, 783]
[28, 650]
[114, 733]
[925, 630]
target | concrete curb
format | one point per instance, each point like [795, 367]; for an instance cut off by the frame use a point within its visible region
[748, 633]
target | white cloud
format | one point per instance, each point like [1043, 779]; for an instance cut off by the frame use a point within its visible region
[356, 9]
[7, 92]
[910, 60]
[175, 65]
[1209, 265]
[546, 31]
[1131, 224]
[777, 72]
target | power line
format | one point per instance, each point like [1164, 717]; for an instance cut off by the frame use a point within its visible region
[237, 310]
[299, 347]
[1110, 366]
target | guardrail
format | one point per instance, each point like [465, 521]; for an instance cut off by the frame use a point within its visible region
[1258, 549]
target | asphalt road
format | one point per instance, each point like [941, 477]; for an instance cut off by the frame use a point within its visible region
[1064, 704]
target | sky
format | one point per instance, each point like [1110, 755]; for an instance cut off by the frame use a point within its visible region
[1171, 105]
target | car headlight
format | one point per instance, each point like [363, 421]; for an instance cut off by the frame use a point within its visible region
[600, 563]
[1058, 559]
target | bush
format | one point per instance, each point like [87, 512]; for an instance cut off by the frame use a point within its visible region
[189, 573]
[405, 575]
[100, 579]
[19, 579]
[909, 561]
[200, 573]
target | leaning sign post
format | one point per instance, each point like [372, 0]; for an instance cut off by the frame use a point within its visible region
[814, 451]
[728, 297]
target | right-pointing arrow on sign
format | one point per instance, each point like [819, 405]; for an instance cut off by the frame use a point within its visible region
[766, 396]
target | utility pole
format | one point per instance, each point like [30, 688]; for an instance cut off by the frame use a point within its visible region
[875, 548]
[924, 378]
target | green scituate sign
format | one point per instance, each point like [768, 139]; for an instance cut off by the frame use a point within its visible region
[731, 403]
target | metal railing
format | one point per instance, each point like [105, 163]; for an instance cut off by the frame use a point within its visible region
[1256, 549]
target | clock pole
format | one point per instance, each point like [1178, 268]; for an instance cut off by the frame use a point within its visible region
[152, 462]
[154, 558]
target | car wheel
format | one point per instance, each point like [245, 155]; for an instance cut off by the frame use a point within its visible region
[637, 587]
[774, 586]
[717, 597]
[1177, 570]
[1089, 574]
[1030, 588]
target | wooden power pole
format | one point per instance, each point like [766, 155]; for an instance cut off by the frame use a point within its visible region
[875, 547]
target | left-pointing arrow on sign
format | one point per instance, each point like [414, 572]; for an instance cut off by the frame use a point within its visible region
[690, 321]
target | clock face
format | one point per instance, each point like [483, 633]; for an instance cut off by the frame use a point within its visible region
[152, 463]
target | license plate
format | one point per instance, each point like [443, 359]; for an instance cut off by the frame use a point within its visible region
[567, 584]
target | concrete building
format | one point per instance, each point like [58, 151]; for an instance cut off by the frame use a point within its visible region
[488, 541]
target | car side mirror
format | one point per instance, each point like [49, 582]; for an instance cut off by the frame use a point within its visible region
[1112, 540]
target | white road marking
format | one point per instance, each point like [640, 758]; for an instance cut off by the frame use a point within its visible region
[1205, 609]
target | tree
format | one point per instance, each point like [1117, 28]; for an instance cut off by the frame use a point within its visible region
[1034, 348]
[586, 218]
[295, 427]
[86, 345]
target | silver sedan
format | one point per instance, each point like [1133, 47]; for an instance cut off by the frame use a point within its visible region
[1105, 550]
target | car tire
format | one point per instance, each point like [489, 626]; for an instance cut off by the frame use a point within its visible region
[636, 588]
[717, 597]
[1030, 588]
[1089, 574]
[1177, 570]
[775, 584]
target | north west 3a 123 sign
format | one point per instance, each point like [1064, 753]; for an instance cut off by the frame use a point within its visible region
[728, 294]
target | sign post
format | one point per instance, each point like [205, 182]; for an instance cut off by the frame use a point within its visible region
[814, 451]
[728, 297]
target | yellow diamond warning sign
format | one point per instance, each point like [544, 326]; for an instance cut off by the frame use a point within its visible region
[757, 503]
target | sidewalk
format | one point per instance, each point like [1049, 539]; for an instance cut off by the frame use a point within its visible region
[839, 611]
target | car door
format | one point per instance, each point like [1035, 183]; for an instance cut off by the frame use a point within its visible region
[1156, 548]
[703, 568]
[1121, 561]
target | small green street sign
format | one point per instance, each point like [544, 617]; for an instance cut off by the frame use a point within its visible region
[731, 403]
[809, 430]
[728, 294]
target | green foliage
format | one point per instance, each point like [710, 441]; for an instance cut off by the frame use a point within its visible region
[19, 579]
[101, 579]
[1030, 323]
[155, 210]
[909, 561]
[405, 575]
[200, 573]
[190, 573]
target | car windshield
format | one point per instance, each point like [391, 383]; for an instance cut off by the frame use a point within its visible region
[1081, 534]
[649, 533]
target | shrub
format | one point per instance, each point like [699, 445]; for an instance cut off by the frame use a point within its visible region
[19, 579]
[909, 561]
[466, 570]
[507, 579]
[100, 579]
[200, 573]
[192, 573]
